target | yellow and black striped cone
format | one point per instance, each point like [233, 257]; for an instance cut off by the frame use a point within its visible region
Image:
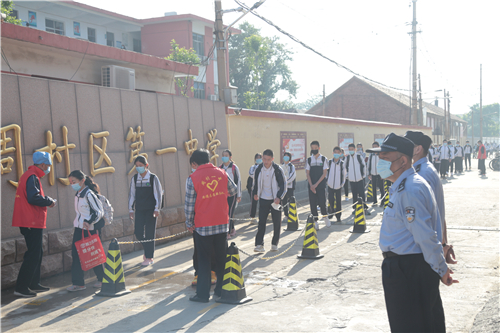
[310, 249]
[386, 198]
[293, 222]
[359, 218]
[369, 194]
[113, 282]
[233, 286]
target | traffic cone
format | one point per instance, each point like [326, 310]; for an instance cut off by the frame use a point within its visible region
[233, 286]
[386, 198]
[310, 249]
[369, 194]
[359, 218]
[113, 282]
[293, 223]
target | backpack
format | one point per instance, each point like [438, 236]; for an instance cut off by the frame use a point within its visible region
[323, 158]
[361, 167]
[330, 167]
[107, 208]
[235, 175]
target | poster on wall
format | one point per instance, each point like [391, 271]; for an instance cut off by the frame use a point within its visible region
[32, 18]
[379, 138]
[76, 28]
[296, 144]
[345, 139]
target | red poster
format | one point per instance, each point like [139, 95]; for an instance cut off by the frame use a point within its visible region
[345, 139]
[295, 143]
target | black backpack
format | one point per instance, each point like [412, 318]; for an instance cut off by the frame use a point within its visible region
[361, 166]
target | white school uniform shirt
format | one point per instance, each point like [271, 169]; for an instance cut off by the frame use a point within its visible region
[337, 169]
[459, 151]
[290, 175]
[354, 173]
[446, 152]
[229, 172]
[317, 161]
[267, 179]
[372, 164]
[468, 149]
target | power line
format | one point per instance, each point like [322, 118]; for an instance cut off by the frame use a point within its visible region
[295, 39]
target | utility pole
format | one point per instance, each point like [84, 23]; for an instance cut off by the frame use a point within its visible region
[481, 102]
[472, 126]
[221, 49]
[445, 117]
[323, 100]
[450, 128]
[414, 69]
[420, 110]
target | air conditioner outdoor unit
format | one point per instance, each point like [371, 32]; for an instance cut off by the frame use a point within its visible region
[213, 97]
[118, 77]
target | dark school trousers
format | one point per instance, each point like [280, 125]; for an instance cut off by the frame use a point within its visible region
[231, 203]
[358, 191]
[335, 199]
[437, 166]
[377, 181]
[444, 167]
[318, 199]
[76, 268]
[145, 228]
[205, 245]
[264, 210]
[195, 259]
[253, 208]
[481, 166]
[451, 164]
[467, 158]
[289, 193]
[459, 167]
[412, 298]
[29, 273]
[346, 188]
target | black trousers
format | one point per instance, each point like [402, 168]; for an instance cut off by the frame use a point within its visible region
[481, 166]
[145, 228]
[76, 268]
[450, 165]
[195, 258]
[377, 181]
[289, 193]
[29, 273]
[264, 210]
[205, 245]
[358, 191]
[467, 158]
[231, 202]
[444, 167]
[335, 199]
[437, 166]
[253, 208]
[459, 167]
[412, 298]
[346, 188]
[318, 199]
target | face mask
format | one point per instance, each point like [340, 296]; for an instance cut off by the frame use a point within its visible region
[360, 149]
[47, 171]
[449, 144]
[225, 159]
[193, 170]
[286, 158]
[336, 156]
[351, 152]
[314, 151]
[76, 187]
[341, 155]
[384, 168]
[140, 169]
[258, 161]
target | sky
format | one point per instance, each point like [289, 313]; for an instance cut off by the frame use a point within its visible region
[371, 38]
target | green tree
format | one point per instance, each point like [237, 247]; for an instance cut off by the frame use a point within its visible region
[309, 103]
[7, 8]
[491, 120]
[185, 56]
[258, 67]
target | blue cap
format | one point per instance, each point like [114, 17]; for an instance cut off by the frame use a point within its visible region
[40, 157]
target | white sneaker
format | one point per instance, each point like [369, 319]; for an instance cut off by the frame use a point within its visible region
[259, 248]
[327, 222]
[254, 221]
[75, 288]
[274, 248]
[316, 225]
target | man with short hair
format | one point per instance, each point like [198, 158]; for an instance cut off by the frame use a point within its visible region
[374, 176]
[467, 153]
[290, 176]
[445, 156]
[269, 188]
[316, 171]
[413, 255]
[207, 216]
[30, 215]
[335, 181]
[355, 168]
[459, 157]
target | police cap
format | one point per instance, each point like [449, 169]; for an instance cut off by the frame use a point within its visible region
[394, 142]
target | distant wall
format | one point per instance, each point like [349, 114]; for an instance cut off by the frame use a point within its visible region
[39, 105]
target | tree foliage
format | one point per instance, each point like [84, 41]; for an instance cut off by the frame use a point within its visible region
[258, 67]
[491, 120]
[185, 56]
[7, 8]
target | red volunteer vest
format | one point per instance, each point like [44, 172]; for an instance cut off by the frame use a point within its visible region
[210, 184]
[26, 215]
[481, 156]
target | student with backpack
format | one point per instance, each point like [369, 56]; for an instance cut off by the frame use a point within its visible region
[145, 199]
[343, 157]
[335, 182]
[290, 176]
[316, 171]
[374, 177]
[356, 170]
[88, 221]
[232, 172]
[253, 209]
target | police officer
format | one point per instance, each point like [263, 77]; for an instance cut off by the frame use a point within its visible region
[413, 255]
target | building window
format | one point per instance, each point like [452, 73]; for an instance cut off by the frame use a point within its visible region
[14, 13]
[137, 45]
[199, 45]
[54, 26]
[91, 35]
[199, 90]
[110, 39]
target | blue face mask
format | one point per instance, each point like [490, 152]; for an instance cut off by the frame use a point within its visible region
[286, 158]
[351, 152]
[384, 168]
[342, 155]
[336, 156]
[225, 159]
[76, 187]
[140, 169]
[258, 161]
[193, 170]
[47, 171]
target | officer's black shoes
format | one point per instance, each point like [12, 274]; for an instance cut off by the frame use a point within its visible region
[25, 293]
[195, 298]
[39, 288]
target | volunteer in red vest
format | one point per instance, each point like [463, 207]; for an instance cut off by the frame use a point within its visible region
[481, 156]
[207, 217]
[30, 215]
